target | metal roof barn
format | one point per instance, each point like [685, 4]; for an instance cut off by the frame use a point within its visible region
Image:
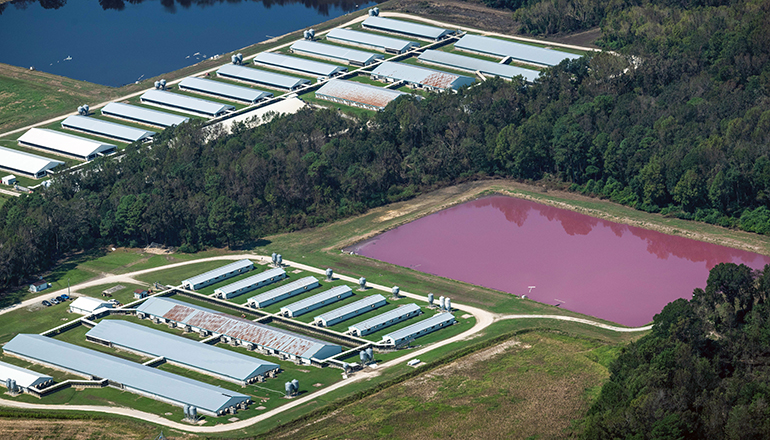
[223, 90]
[378, 42]
[142, 115]
[251, 283]
[85, 305]
[106, 129]
[283, 292]
[219, 274]
[186, 104]
[357, 94]
[420, 76]
[23, 377]
[474, 64]
[261, 77]
[25, 163]
[517, 51]
[335, 53]
[65, 144]
[414, 331]
[271, 338]
[384, 320]
[225, 364]
[406, 28]
[317, 301]
[130, 376]
[301, 65]
[351, 310]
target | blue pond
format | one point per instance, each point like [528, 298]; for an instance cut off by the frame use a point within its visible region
[114, 43]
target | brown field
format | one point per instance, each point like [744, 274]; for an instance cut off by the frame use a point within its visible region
[533, 386]
[13, 429]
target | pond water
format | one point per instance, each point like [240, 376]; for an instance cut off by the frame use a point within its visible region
[113, 42]
[612, 271]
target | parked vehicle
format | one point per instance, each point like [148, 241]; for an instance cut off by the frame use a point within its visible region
[54, 301]
[65, 296]
[46, 303]
[61, 298]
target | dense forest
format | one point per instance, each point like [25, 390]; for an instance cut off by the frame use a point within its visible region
[676, 121]
[703, 372]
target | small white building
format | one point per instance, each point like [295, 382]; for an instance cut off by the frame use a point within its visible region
[38, 286]
[24, 378]
[9, 179]
[85, 305]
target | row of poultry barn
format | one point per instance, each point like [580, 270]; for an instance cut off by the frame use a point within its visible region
[99, 368]
[269, 73]
[354, 305]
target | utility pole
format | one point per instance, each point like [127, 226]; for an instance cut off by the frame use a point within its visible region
[68, 286]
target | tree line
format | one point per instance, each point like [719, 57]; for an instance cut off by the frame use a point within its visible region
[703, 371]
[676, 121]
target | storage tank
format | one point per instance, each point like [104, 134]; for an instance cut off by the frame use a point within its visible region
[370, 354]
[329, 274]
[395, 290]
[448, 303]
[295, 386]
[362, 283]
[430, 299]
[289, 389]
[441, 302]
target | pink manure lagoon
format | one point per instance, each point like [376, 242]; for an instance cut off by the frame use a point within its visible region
[612, 271]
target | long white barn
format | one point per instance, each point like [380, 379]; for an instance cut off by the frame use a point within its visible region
[126, 375]
[65, 144]
[217, 275]
[214, 361]
[28, 164]
[244, 332]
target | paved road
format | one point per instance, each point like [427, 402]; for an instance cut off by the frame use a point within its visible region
[483, 320]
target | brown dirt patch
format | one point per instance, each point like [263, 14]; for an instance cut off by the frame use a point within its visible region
[13, 429]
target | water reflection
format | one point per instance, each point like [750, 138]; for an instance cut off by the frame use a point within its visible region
[663, 246]
[617, 272]
[322, 6]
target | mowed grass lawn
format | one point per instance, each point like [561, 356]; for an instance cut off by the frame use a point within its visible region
[34, 319]
[529, 387]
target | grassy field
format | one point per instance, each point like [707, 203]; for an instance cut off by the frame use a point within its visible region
[29, 96]
[36, 318]
[532, 386]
